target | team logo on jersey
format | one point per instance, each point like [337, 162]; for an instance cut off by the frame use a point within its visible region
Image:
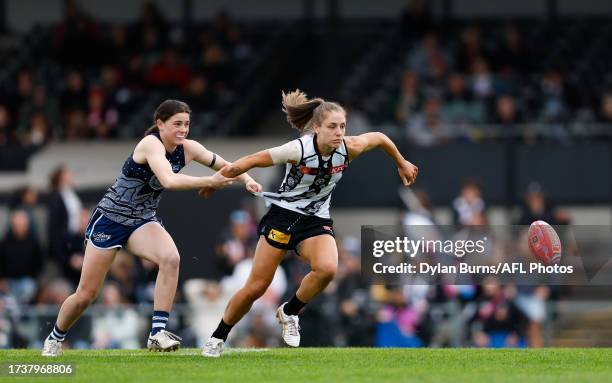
[278, 236]
[100, 237]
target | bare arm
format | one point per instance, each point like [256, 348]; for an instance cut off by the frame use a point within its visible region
[260, 159]
[212, 160]
[357, 145]
[154, 153]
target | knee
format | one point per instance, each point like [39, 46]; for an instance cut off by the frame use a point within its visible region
[326, 271]
[255, 290]
[169, 260]
[85, 297]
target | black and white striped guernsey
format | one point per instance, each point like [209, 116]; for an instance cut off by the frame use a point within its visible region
[136, 193]
[308, 185]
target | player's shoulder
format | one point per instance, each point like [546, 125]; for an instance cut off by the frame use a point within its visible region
[149, 142]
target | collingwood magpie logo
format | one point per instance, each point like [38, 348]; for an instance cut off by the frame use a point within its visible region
[100, 237]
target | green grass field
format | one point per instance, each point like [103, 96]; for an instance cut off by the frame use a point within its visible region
[331, 364]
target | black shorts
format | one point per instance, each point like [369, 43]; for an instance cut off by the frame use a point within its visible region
[285, 229]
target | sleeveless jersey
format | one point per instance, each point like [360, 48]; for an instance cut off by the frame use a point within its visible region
[135, 195]
[308, 185]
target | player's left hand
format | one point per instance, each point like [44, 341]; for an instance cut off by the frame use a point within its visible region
[206, 192]
[408, 173]
[253, 187]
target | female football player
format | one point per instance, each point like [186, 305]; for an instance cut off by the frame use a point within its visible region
[299, 216]
[127, 216]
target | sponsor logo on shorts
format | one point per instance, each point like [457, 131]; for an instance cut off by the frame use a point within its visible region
[278, 236]
[100, 237]
[328, 228]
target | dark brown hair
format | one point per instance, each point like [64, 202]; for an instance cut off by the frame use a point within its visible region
[165, 111]
[303, 113]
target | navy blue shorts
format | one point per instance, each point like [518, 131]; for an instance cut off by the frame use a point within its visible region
[106, 234]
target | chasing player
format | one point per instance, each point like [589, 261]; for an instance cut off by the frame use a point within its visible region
[127, 216]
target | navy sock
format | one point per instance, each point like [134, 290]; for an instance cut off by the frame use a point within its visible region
[294, 306]
[57, 334]
[160, 319]
[222, 330]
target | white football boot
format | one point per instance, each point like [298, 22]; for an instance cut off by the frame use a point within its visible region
[213, 347]
[52, 347]
[291, 327]
[164, 341]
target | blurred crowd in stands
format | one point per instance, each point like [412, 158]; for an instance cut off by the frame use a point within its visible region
[87, 79]
[455, 81]
[36, 276]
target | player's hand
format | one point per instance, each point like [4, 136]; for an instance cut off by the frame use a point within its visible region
[253, 187]
[408, 173]
[218, 181]
[206, 192]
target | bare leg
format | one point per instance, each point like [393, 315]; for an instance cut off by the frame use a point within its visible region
[152, 242]
[322, 253]
[266, 260]
[95, 266]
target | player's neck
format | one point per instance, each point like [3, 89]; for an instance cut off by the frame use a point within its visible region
[325, 150]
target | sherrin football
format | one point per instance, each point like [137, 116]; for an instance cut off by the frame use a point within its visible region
[544, 243]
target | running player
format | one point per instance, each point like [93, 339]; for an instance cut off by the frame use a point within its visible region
[299, 216]
[127, 216]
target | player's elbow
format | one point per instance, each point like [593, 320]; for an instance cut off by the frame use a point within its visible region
[169, 183]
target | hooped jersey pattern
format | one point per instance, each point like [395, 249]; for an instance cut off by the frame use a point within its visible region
[308, 185]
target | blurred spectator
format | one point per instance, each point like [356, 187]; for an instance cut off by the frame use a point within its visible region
[199, 96]
[356, 327]
[102, 118]
[459, 106]
[535, 207]
[426, 128]
[426, 55]
[37, 133]
[207, 301]
[115, 325]
[123, 271]
[74, 95]
[499, 321]
[239, 243]
[397, 321]
[471, 49]
[410, 98]
[531, 301]
[169, 72]
[64, 214]
[508, 118]
[554, 105]
[21, 257]
[469, 207]
[483, 83]
[26, 199]
[39, 104]
[512, 56]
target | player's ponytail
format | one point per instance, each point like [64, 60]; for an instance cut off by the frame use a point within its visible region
[303, 113]
[165, 111]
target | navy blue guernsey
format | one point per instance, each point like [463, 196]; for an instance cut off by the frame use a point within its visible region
[135, 195]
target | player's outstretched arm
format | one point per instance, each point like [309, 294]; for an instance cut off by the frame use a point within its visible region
[290, 152]
[196, 151]
[357, 145]
[154, 153]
